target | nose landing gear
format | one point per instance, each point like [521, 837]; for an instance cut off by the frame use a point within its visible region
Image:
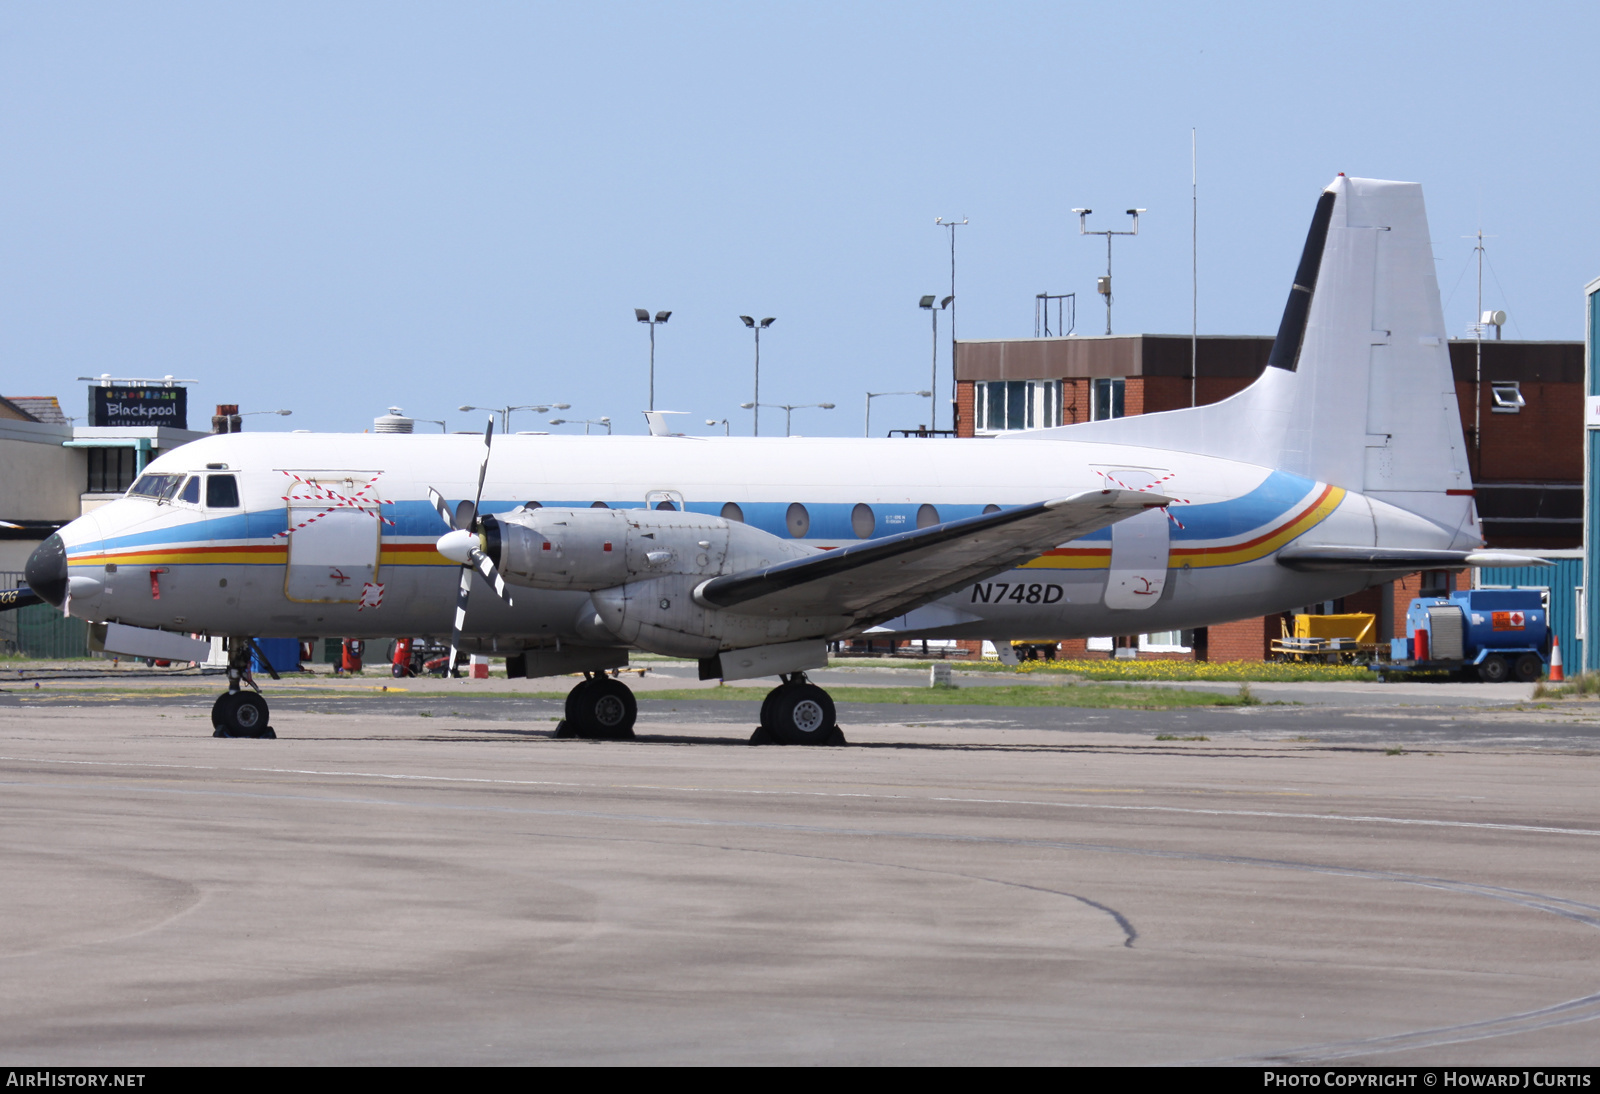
[798, 712]
[240, 713]
[600, 708]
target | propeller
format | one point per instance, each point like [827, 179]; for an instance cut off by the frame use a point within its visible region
[460, 544]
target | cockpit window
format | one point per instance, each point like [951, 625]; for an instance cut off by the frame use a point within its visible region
[160, 487]
[222, 492]
[191, 490]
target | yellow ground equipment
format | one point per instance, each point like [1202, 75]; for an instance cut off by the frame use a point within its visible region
[1330, 638]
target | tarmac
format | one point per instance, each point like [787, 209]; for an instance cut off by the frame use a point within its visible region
[1397, 874]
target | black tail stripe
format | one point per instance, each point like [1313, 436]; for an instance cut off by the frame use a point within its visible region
[1292, 330]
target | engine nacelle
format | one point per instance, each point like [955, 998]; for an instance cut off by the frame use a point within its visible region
[661, 615]
[593, 549]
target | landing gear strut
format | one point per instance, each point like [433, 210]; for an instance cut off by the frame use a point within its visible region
[600, 708]
[797, 712]
[240, 713]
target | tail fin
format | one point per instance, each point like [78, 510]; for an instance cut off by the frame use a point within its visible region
[1358, 390]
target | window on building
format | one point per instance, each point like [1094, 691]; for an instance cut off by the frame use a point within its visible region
[1001, 405]
[1164, 642]
[111, 470]
[1507, 396]
[1108, 394]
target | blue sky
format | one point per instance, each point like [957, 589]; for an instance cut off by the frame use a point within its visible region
[338, 207]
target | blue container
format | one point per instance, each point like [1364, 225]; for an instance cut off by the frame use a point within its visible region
[1559, 582]
[1503, 619]
[284, 653]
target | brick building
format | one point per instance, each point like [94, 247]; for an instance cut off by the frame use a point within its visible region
[1526, 400]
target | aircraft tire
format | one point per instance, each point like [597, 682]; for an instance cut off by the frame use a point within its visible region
[602, 709]
[1494, 670]
[800, 714]
[240, 714]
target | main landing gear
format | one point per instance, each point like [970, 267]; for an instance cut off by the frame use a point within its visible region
[240, 713]
[797, 712]
[600, 708]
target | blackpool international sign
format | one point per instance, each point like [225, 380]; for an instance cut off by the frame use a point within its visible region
[139, 405]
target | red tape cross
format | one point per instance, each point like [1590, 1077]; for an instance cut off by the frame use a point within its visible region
[1142, 489]
[322, 495]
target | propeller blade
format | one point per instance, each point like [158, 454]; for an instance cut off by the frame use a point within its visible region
[484, 566]
[445, 513]
[461, 616]
[483, 471]
[460, 545]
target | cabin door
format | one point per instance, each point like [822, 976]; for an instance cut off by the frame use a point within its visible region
[335, 531]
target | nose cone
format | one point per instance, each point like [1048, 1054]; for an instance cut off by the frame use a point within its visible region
[46, 571]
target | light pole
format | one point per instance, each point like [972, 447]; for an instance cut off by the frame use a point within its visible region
[788, 410]
[927, 302]
[505, 411]
[871, 395]
[755, 403]
[723, 423]
[587, 422]
[1104, 288]
[435, 421]
[952, 224]
[644, 317]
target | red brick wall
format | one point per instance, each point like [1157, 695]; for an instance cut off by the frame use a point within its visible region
[1518, 447]
[964, 408]
[1242, 640]
[1172, 392]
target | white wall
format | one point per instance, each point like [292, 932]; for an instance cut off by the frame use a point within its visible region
[39, 479]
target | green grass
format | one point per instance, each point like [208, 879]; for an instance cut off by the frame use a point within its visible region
[1107, 669]
[1087, 695]
[1581, 686]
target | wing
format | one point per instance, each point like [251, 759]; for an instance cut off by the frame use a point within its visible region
[887, 577]
[1398, 559]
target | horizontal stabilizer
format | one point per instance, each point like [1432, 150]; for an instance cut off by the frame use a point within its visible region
[884, 578]
[20, 597]
[1309, 560]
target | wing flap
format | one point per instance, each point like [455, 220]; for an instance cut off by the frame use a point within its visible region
[883, 578]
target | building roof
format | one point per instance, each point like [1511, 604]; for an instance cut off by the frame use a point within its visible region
[12, 412]
[40, 408]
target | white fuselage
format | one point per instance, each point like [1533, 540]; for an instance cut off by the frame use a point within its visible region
[334, 534]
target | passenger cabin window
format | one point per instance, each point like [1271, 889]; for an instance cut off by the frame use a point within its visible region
[222, 492]
[191, 490]
[159, 487]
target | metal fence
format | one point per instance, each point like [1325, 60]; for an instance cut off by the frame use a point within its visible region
[39, 630]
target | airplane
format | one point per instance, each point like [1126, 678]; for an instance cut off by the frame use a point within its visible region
[1343, 465]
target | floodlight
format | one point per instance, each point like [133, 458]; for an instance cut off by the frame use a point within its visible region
[663, 316]
[641, 315]
[926, 302]
[749, 322]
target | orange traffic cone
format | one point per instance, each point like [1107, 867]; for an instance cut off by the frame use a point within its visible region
[1556, 676]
